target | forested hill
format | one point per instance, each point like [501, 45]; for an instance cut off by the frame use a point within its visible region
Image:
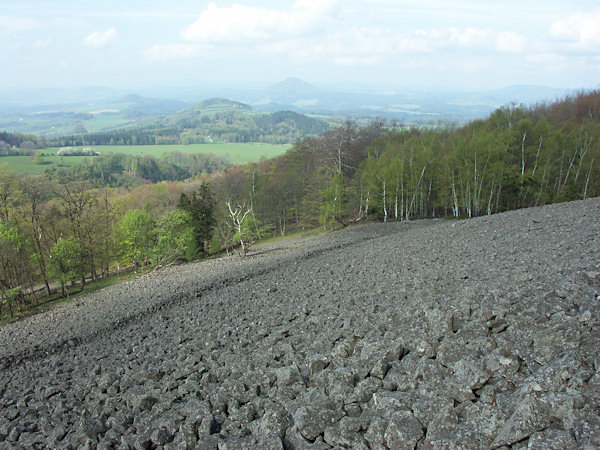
[212, 120]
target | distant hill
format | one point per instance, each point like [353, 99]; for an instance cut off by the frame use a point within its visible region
[139, 106]
[208, 121]
[208, 107]
[411, 105]
[62, 112]
[92, 116]
[293, 91]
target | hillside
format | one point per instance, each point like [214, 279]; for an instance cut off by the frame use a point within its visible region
[212, 120]
[480, 333]
[92, 116]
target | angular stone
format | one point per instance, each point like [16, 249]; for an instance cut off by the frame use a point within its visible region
[458, 438]
[208, 443]
[106, 380]
[88, 426]
[500, 365]
[316, 363]
[551, 438]
[311, 421]
[316, 397]
[375, 433]
[380, 368]
[365, 390]
[195, 409]
[470, 373]
[403, 431]
[161, 437]
[458, 391]
[145, 402]
[444, 421]
[389, 402]
[530, 415]
[339, 435]
[270, 442]
[287, 376]
[275, 420]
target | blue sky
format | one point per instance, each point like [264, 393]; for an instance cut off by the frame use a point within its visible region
[396, 43]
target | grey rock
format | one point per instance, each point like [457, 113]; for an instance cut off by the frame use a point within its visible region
[287, 375]
[470, 374]
[317, 363]
[107, 380]
[161, 437]
[145, 402]
[375, 334]
[311, 422]
[551, 438]
[340, 435]
[403, 431]
[365, 390]
[270, 442]
[375, 434]
[530, 415]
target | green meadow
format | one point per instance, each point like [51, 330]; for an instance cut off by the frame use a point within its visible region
[235, 154]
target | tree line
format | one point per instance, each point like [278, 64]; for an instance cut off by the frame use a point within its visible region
[58, 231]
[17, 144]
[199, 127]
[121, 170]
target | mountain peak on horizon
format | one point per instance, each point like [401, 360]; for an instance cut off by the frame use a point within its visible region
[291, 90]
[295, 85]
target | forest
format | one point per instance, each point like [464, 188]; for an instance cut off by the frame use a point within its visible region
[210, 121]
[68, 230]
[213, 120]
[121, 170]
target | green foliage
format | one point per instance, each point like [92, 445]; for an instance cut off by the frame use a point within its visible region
[251, 229]
[10, 235]
[334, 198]
[9, 297]
[137, 233]
[12, 144]
[201, 211]
[66, 261]
[175, 237]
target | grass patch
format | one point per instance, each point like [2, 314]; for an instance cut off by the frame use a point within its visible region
[235, 154]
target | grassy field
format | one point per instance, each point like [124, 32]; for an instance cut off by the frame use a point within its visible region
[235, 153]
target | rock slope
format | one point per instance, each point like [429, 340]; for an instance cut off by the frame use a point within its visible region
[429, 334]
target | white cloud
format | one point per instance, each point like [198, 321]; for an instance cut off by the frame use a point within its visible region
[239, 24]
[469, 38]
[42, 43]
[318, 31]
[581, 30]
[511, 42]
[99, 39]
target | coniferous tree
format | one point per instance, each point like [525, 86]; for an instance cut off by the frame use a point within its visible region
[201, 208]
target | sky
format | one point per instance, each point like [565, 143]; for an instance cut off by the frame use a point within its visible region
[138, 44]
